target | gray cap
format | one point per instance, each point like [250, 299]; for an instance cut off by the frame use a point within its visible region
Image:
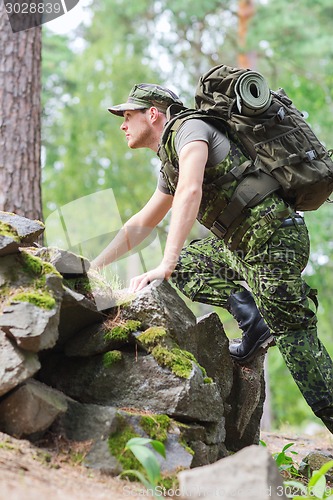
[146, 95]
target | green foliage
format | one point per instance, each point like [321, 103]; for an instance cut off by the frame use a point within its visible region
[152, 470]
[284, 462]
[316, 489]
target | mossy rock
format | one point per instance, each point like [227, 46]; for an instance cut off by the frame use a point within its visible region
[111, 357]
[36, 268]
[165, 350]
[36, 297]
[8, 231]
[123, 331]
[155, 336]
[136, 423]
[156, 426]
[117, 442]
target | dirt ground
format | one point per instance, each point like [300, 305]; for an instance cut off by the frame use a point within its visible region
[28, 472]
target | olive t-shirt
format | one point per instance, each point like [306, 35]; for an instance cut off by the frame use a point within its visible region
[199, 130]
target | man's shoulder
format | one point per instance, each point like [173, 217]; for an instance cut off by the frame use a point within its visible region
[196, 122]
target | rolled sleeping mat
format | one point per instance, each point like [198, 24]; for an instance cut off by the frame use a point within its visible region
[252, 93]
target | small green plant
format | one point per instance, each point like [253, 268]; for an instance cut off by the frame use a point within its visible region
[148, 460]
[286, 463]
[316, 489]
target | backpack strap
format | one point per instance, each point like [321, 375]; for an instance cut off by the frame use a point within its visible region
[250, 191]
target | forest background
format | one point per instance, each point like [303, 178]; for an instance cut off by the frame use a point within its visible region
[91, 181]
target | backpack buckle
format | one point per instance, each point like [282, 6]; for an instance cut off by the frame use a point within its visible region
[219, 229]
[311, 155]
[281, 114]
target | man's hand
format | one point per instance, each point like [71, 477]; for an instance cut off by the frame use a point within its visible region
[159, 273]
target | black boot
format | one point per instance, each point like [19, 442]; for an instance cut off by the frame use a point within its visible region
[256, 334]
[326, 415]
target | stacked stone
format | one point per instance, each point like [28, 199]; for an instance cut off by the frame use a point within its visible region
[76, 359]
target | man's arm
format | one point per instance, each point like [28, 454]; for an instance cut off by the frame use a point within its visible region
[136, 229]
[185, 207]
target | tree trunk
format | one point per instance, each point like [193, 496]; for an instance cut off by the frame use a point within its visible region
[246, 11]
[20, 119]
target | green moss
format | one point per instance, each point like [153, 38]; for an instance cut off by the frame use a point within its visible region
[111, 357]
[169, 483]
[174, 359]
[186, 447]
[36, 267]
[189, 355]
[9, 231]
[152, 337]
[49, 268]
[36, 297]
[156, 426]
[179, 361]
[81, 284]
[122, 332]
[31, 264]
[208, 380]
[117, 442]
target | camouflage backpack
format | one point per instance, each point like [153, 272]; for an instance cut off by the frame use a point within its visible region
[271, 131]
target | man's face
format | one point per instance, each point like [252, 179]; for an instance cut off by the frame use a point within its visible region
[138, 128]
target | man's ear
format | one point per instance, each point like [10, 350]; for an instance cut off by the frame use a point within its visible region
[154, 113]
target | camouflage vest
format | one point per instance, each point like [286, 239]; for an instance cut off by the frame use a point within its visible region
[224, 198]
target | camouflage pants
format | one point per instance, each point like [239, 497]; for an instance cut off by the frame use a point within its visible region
[209, 272]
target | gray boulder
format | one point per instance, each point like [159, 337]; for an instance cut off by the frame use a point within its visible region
[244, 406]
[84, 422]
[158, 304]
[30, 409]
[135, 381]
[32, 293]
[9, 242]
[32, 327]
[16, 365]
[251, 473]
[314, 461]
[108, 429]
[100, 338]
[212, 351]
[27, 230]
[77, 312]
[65, 262]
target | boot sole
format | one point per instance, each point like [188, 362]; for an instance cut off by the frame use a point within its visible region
[260, 347]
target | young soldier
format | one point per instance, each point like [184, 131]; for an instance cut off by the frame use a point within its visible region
[268, 248]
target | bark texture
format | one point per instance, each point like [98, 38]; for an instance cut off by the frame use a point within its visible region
[20, 119]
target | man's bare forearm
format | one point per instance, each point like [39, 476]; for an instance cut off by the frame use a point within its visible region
[129, 236]
[136, 229]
